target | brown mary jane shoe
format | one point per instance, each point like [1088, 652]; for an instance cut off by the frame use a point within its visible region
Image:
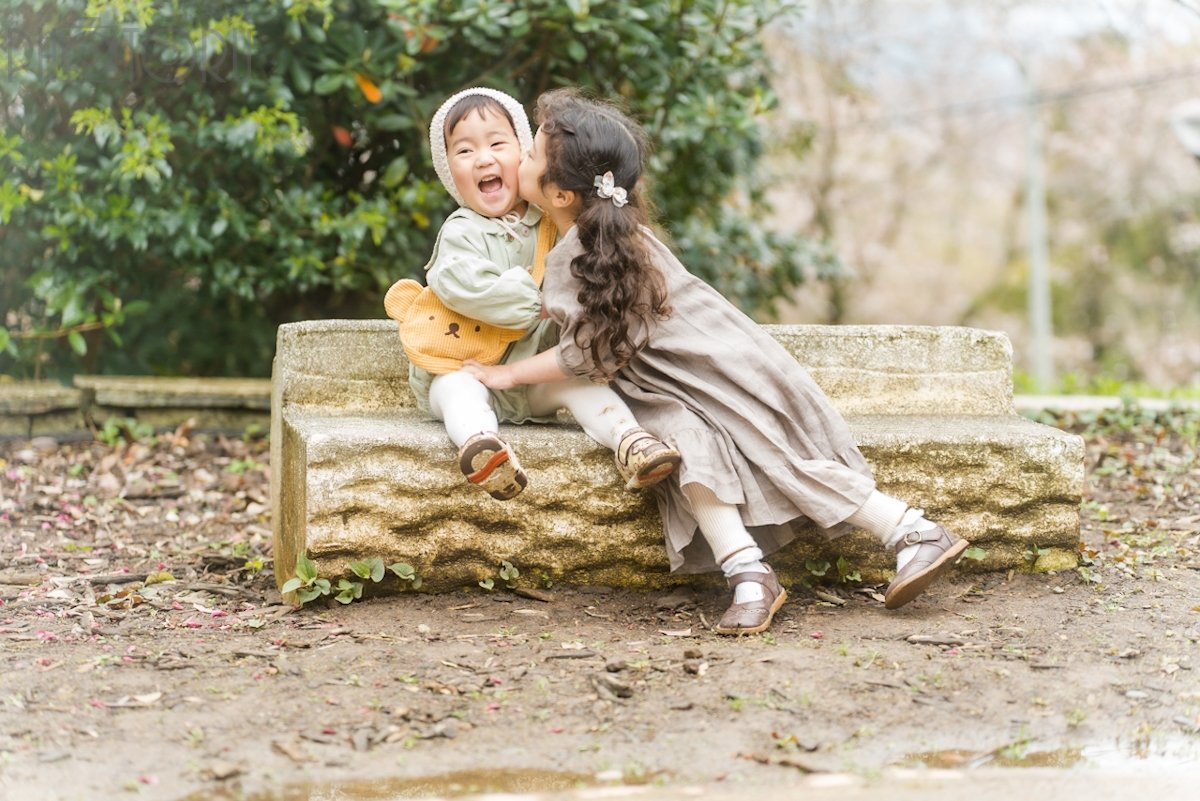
[938, 550]
[753, 617]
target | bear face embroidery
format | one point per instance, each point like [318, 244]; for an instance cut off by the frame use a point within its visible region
[438, 339]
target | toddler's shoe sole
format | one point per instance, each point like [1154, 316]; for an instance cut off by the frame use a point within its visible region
[488, 462]
[644, 460]
[654, 472]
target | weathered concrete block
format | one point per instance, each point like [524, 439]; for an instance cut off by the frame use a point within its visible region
[905, 369]
[356, 473]
[35, 408]
[224, 404]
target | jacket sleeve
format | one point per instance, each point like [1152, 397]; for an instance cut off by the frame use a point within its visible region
[468, 281]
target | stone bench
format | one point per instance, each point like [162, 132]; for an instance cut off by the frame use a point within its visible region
[356, 472]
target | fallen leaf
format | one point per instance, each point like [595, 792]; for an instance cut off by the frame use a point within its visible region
[532, 594]
[787, 762]
[830, 598]
[221, 770]
[935, 639]
[131, 701]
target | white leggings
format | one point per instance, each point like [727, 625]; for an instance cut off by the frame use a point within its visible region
[461, 402]
[721, 525]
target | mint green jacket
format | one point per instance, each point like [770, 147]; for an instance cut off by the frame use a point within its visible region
[480, 270]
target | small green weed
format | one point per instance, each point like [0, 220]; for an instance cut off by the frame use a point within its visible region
[368, 569]
[508, 574]
[974, 553]
[818, 569]
[405, 572]
[847, 573]
[115, 429]
[239, 466]
[348, 591]
[308, 585]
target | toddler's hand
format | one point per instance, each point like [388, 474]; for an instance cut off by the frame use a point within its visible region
[492, 376]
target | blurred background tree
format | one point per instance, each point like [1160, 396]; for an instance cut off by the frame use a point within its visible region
[180, 178]
[905, 130]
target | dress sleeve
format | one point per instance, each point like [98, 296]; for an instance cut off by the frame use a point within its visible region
[468, 281]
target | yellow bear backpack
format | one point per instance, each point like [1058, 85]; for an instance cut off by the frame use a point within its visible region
[438, 339]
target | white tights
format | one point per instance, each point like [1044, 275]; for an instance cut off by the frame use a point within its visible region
[461, 402]
[736, 551]
[731, 544]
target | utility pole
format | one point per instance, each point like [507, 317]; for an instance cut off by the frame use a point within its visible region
[1185, 121]
[1041, 332]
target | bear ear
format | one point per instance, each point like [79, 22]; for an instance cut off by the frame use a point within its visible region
[400, 297]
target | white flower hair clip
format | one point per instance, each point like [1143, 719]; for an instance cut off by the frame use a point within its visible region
[606, 187]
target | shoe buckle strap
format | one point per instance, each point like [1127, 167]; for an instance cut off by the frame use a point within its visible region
[762, 578]
[917, 537]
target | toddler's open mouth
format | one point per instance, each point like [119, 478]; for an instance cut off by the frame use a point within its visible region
[490, 185]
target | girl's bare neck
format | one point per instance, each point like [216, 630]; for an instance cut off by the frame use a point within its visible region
[563, 219]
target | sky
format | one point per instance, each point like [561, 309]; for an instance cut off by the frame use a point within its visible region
[1001, 46]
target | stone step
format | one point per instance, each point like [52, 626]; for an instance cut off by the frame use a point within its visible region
[349, 365]
[389, 486]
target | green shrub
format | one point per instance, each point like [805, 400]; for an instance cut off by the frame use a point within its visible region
[180, 178]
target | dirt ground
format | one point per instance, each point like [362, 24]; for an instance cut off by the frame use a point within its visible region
[144, 652]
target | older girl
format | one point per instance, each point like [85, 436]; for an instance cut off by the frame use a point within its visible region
[763, 449]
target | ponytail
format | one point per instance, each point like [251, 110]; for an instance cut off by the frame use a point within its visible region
[622, 292]
[620, 286]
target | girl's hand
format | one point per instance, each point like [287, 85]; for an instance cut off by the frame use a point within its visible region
[492, 376]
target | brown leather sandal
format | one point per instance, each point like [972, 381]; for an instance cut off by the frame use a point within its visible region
[643, 459]
[487, 461]
[938, 550]
[753, 617]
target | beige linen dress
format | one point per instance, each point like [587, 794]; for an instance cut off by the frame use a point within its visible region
[749, 421]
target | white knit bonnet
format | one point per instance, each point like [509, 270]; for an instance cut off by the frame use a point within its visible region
[437, 132]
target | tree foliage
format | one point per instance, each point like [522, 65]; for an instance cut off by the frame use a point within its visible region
[179, 178]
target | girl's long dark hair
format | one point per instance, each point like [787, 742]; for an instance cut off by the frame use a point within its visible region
[619, 283]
